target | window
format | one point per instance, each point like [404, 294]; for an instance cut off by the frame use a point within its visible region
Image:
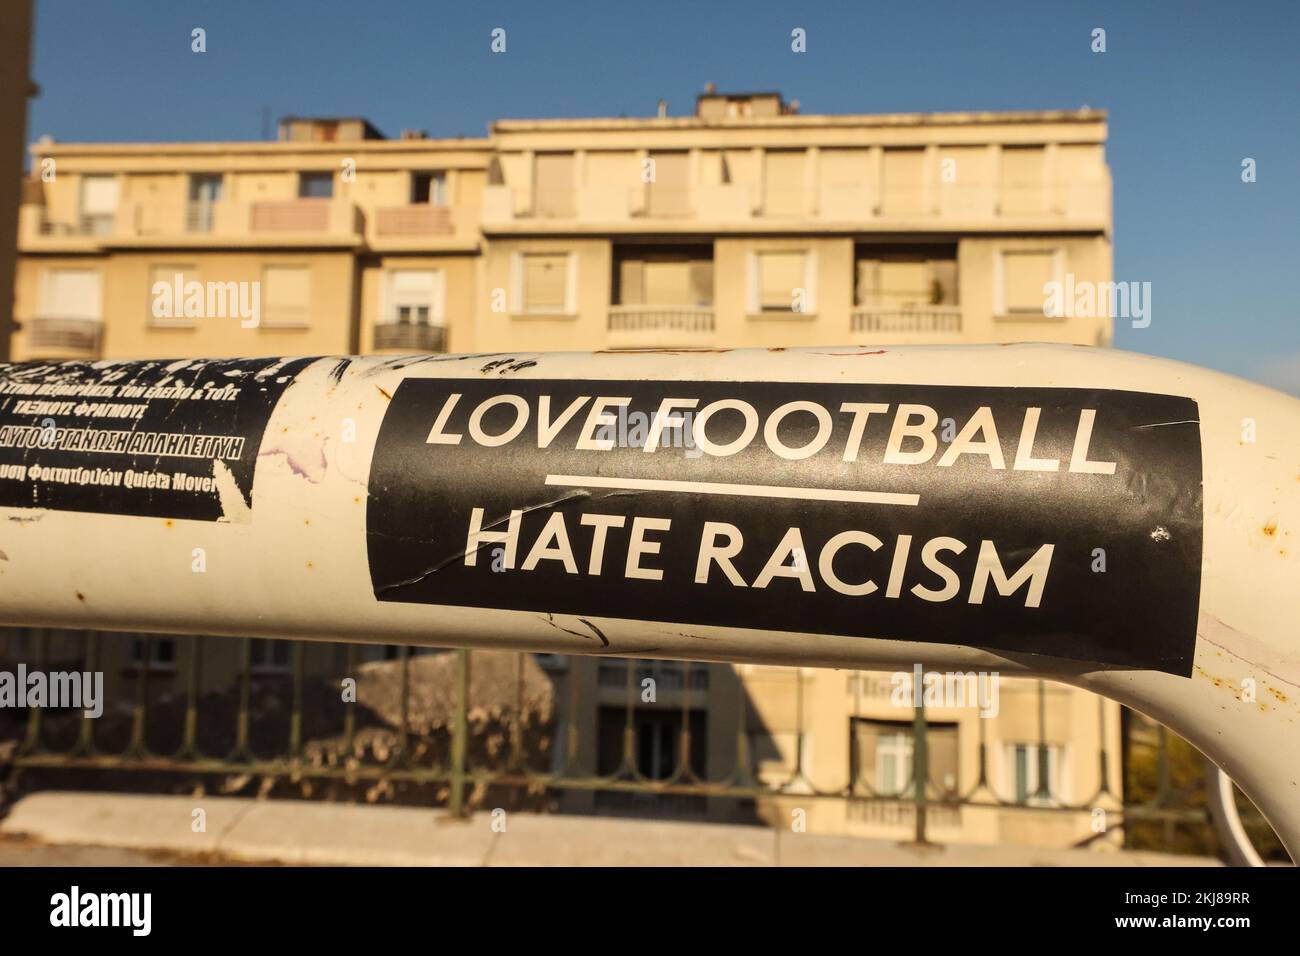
[429, 188]
[554, 185]
[665, 280]
[167, 308]
[781, 282]
[72, 294]
[905, 283]
[844, 167]
[1023, 180]
[546, 282]
[1024, 275]
[657, 738]
[894, 773]
[315, 185]
[669, 194]
[881, 756]
[1023, 766]
[205, 189]
[783, 184]
[846, 178]
[904, 183]
[286, 295]
[153, 652]
[98, 204]
[269, 656]
[413, 297]
[63, 646]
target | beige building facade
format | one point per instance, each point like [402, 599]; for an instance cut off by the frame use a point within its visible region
[745, 224]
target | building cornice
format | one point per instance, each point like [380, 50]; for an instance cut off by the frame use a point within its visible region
[801, 121]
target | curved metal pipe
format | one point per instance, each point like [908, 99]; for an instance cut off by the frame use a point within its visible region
[1227, 821]
[305, 530]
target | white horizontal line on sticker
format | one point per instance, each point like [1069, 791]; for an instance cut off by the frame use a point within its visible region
[723, 488]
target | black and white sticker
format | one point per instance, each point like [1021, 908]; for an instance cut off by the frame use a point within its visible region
[172, 439]
[1057, 521]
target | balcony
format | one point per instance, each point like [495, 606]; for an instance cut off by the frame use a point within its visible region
[290, 215]
[49, 337]
[310, 222]
[419, 226]
[617, 206]
[410, 337]
[831, 207]
[416, 220]
[39, 230]
[78, 226]
[660, 326]
[908, 319]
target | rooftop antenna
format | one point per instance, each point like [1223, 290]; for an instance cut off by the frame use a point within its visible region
[266, 123]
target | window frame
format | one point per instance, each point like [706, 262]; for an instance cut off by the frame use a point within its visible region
[1000, 274]
[437, 303]
[520, 291]
[109, 216]
[754, 290]
[266, 320]
[264, 647]
[135, 659]
[188, 272]
[436, 176]
[1057, 783]
[317, 175]
[47, 280]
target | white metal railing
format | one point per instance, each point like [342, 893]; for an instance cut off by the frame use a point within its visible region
[655, 318]
[924, 319]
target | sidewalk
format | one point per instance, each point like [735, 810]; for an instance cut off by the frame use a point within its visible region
[243, 829]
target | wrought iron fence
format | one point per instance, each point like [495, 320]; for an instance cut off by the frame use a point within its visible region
[463, 749]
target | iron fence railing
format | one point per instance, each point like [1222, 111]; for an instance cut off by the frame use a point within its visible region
[502, 742]
[77, 335]
[416, 336]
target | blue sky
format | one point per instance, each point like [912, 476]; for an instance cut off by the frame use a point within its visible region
[1192, 89]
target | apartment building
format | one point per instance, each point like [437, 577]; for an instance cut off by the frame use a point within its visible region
[747, 223]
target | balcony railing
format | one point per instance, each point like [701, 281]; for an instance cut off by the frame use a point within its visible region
[415, 337]
[420, 219]
[919, 319]
[200, 217]
[863, 202]
[64, 335]
[43, 225]
[208, 222]
[291, 215]
[661, 318]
